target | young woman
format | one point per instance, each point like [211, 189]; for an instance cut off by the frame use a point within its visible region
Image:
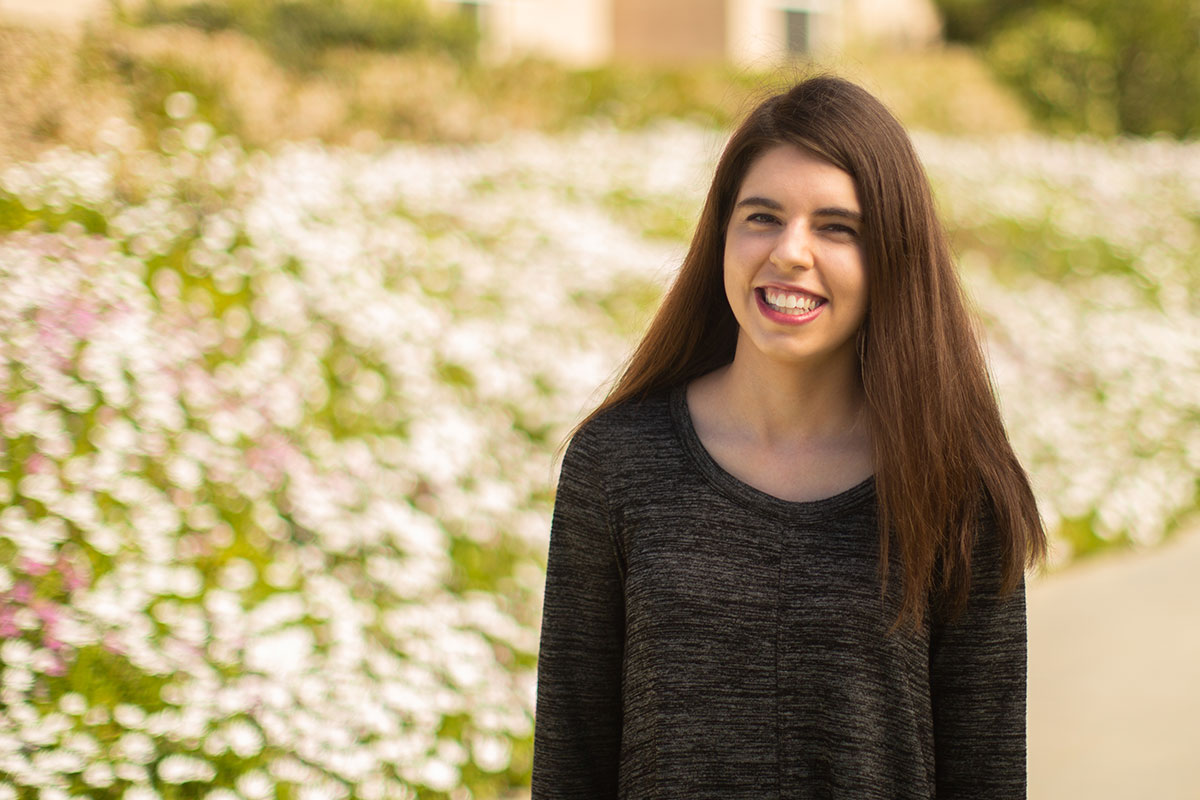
[788, 550]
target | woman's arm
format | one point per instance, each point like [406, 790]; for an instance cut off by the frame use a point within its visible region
[577, 732]
[977, 682]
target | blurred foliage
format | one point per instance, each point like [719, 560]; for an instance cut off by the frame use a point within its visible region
[354, 86]
[1101, 66]
[299, 31]
[974, 20]
[1066, 67]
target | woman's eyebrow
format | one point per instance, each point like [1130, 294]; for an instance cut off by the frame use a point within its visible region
[775, 205]
[836, 211]
[765, 202]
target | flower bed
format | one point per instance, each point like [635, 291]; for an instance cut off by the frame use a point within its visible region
[279, 429]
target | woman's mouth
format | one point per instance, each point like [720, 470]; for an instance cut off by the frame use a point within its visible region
[787, 306]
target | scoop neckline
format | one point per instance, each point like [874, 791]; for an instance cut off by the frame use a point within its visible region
[746, 495]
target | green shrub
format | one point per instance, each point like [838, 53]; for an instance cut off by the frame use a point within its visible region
[1100, 66]
[1064, 66]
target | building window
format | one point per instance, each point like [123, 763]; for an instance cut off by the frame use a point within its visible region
[798, 31]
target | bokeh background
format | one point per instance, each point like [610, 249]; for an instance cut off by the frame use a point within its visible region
[299, 298]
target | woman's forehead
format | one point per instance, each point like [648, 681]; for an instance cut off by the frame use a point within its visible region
[787, 171]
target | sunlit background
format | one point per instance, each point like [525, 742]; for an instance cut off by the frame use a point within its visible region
[298, 299]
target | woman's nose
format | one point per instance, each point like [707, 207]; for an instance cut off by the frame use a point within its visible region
[794, 248]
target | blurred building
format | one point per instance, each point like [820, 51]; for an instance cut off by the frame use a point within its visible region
[61, 14]
[588, 32]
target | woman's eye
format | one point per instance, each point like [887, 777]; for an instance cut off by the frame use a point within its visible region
[763, 219]
[842, 229]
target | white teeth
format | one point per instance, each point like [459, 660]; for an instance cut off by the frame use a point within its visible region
[790, 303]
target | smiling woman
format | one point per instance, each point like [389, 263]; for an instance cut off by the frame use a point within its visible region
[788, 549]
[795, 282]
[794, 273]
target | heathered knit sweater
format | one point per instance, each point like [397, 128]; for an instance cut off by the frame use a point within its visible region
[703, 639]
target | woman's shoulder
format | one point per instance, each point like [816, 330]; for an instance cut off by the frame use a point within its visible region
[622, 444]
[628, 424]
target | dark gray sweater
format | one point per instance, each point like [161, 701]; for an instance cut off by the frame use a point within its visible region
[702, 639]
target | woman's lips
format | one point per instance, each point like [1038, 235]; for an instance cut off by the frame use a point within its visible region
[788, 307]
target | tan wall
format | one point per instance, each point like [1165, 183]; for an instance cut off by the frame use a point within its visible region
[587, 32]
[573, 31]
[61, 14]
[670, 31]
[758, 34]
[893, 22]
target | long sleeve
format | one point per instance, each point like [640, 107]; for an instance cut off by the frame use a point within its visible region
[577, 733]
[978, 686]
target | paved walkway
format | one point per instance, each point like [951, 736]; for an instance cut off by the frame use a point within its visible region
[1114, 677]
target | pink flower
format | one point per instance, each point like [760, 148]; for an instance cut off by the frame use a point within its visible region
[37, 463]
[72, 578]
[34, 568]
[47, 612]
[111, 644]
[8, 628]
[81, 321]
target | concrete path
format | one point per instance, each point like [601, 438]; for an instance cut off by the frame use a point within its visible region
[1114, 677]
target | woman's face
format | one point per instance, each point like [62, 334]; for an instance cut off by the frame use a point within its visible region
[794, 271]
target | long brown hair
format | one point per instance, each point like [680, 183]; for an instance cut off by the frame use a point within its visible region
[942, 457]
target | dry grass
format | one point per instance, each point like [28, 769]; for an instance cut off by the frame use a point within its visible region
[947, 89]
[48, 96]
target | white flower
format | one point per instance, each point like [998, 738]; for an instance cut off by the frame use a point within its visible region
[222, 794]
[128, 716]
[136, 747]
[255, 785]
[17, 678]
[438, 775]
[16, 652]
[243, 738]
[178, 768]
[237, 574]
[281, 653]
[58, 761]
[140, 793]
[321, 791]
[44, 660]
[98, 774]
[491, 753]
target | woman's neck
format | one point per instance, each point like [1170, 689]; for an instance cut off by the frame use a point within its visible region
[778, 404]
